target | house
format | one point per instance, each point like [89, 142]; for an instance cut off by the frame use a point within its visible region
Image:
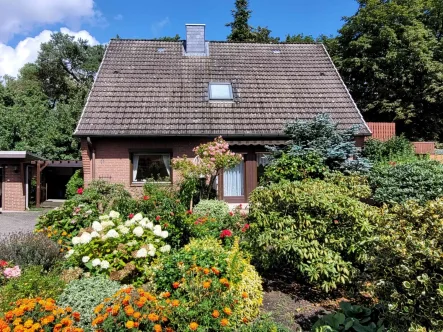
[26, 178]
[155, 100]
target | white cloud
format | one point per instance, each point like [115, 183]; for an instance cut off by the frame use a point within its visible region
[158, 26]
[118, 17]
[20, 16]
[12, 59]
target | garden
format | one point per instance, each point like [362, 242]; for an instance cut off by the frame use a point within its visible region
[335, 239]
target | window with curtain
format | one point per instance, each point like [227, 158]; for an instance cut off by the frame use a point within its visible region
[262, 161]
[154, 167]
[234, 180]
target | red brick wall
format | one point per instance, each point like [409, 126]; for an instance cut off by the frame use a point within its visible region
[112, 156]
[14, 197]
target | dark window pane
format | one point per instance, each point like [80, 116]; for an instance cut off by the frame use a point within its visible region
[152, 167]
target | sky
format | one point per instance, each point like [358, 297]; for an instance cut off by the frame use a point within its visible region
[25, 24]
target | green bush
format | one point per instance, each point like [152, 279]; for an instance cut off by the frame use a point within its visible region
[353, 184]
[395, 149]
[212, 209]
[25, 249]
[406, 266]
[421, 180]
[74, 183]
[290, 167]
[313, 227]
[33, 282]
[84, 295]
[353, 318]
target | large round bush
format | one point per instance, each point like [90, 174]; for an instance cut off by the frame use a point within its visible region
[421, 180]
[85, 294]
[212, 209]
[313, 227]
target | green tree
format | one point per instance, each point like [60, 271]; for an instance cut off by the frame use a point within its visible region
[175, 38]
[389, 54]
[299, 38]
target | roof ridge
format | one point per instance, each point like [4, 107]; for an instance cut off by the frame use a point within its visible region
[215, 41]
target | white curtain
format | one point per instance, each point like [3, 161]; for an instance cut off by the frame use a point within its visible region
[135, 159]
[262, 159]
[233, 181]
[167, 162]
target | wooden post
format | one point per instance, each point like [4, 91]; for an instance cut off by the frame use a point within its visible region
[38, 193]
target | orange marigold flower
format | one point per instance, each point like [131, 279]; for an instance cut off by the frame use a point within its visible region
[129, 311]
[206, 271]
[28, 323]
[166, 295]
[168, 329]
[193, 326]
[175, 303]
[215, 270]
[224, 322]
[157, 328]
[127, 290]
[215, 314]
[164, 319]
[153, 317]
[206, 284]
[176, 285]
[129, 324]
[227, 311]
[245, 320]
[136, 315]
[244, 295]
[76, 316]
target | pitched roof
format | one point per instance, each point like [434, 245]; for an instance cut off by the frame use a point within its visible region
[140, 91]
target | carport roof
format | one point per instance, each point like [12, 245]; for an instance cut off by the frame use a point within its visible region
[19, 155]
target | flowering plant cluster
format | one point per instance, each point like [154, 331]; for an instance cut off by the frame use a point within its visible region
[120, 249]
[8, 271]
[65, 222]
[39, 315]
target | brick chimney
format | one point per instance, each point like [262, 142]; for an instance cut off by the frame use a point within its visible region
[195, 39]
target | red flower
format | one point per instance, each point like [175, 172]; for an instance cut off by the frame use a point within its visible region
[189, 212]
[231, 213]
[80, 191]
[392, 163]
[245, 228]
[165, 225]
[146, 198]
[131, 215]
[225, 233]
[3, 263]
[157, 218]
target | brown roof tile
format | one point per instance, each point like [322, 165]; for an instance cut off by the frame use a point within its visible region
[139, 91]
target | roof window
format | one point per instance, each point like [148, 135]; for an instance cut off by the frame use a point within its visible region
[160, 50]
[220, 91]
[275, 51]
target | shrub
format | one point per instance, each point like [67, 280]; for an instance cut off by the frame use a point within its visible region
[395, 149]
[118, 248]
[205, 278]
[39, 315]
[353, 318]
[313, 227]
[75, 182]
[33, 282]
[407, 265]
[421, 180]
[353, 184]
[85, 294]
[212, 209]
[294, 167]
[26, 249]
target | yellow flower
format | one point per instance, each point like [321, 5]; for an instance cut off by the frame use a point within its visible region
[227, 311]
[64, 233]
[193, 326]
[157, 328]
[129, 324]
[28, 323]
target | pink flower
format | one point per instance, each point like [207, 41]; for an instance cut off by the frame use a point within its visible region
[245, 228]
[12, 272]
[80, 191]
[157, 218]
[131, 215]
[225, 233]
[231, 213]
[336, 221]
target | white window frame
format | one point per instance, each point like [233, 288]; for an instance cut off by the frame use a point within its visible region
[134, 174]
[231, 94]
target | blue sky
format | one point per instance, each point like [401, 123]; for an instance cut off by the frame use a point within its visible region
[25, 24]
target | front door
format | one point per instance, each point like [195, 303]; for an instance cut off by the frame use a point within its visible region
[234, 184]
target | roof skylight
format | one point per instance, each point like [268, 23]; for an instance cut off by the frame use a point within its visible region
[220, 91]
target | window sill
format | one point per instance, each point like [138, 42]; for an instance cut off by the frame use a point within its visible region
[141, 184]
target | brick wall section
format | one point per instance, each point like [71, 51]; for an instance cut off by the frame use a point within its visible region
[112, 156]
[382, 131]
[15, 199]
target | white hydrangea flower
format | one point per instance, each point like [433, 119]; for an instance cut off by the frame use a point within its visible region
[69, 253]
[114, 214]
[112, 233]
[165, 248]
[145, 223]
[129, 223]
[106, 224]
[137, 217]
[103, 218]
[164, 234]
[94, 234]
[123, 229]
[75, 240]
[151, 251]
[131, 243]
[96, 262]
[141, 253]
[104, 264]
[85, 238]
[151, 247]
[157, 228]
[138, 231]
[85, 259]
[97, 226]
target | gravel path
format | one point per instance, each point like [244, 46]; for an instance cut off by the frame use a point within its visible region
[18, 221]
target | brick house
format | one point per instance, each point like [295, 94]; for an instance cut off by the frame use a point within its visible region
[155, 100]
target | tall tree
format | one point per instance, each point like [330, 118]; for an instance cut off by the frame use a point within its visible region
[387, 54]
[175, 38]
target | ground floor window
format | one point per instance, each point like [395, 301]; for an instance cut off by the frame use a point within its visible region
[234, 181]
[154, 167]
[262, 161]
